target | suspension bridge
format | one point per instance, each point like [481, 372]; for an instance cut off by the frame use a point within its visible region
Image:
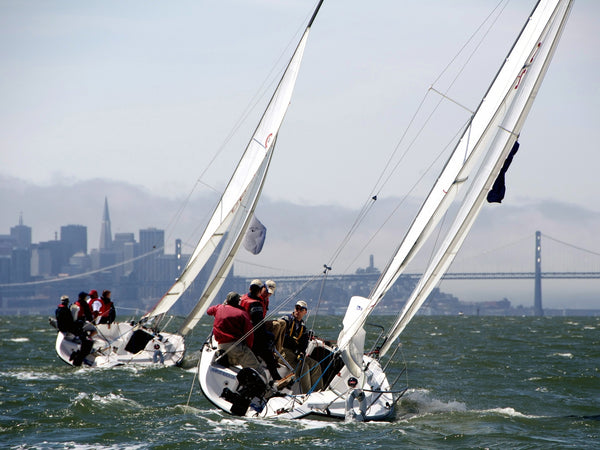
[520, 259]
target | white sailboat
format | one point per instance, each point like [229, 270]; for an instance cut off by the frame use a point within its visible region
[359, 386]
[143, 342]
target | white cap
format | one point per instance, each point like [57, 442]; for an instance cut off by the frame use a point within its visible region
[270, 285]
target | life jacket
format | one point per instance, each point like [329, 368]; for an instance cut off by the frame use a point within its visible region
[265, 303]
[107, 311]
[83, 310]
[295, 337]
[254, 307]
[96, 312]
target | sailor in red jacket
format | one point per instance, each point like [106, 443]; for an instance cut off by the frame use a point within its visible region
[95, 304]
[107, 309]
[231, 324]
[263, 339]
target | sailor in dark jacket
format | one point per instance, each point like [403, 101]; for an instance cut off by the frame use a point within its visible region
[295, 342]
[66, 324]
[64, 318]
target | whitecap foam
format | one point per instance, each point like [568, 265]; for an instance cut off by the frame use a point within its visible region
[108, 399]
[510, 412]
[19, 339]
[563, 355]
[426, 404]
[75, 446]
[30, 376]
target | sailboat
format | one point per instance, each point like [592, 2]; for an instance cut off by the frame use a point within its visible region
[143, 342]
[355, 383]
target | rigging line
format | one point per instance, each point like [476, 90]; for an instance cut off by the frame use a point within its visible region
[314, 317]
[262, 266]
[407, 195]
[492, 250]
[571, 245]
[412, 142]
[187, 404]
[359, 219]
[269, 80]
[381, 182]
[451, 100]
[444, 95]
[376, 188]
[451, 62]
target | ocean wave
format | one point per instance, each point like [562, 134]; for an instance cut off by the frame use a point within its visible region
[509, 412]
[72, 445]
[30, 376]
[420, 401]
[563, 355]
[19, 339]
[109, 399]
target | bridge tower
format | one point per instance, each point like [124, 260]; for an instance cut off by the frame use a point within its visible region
[537, 301]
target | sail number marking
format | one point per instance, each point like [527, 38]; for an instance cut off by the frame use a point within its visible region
[268, 140]
[520, 76]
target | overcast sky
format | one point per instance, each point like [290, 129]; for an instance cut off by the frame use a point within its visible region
[147, 92]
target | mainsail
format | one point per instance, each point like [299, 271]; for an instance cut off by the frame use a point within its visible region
[490, 135]
[229, 222]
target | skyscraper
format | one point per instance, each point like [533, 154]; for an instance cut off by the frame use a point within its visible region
[74, 238]
[21, 252]
[105, 233]
[21, 234]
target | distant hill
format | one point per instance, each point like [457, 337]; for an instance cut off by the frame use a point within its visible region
[300, 238]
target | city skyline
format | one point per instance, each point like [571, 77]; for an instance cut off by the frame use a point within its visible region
[283, 255]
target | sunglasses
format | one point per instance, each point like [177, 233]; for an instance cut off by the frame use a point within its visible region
[300, 308]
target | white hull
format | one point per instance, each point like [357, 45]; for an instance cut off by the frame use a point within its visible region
[122, 343]
[288, 403]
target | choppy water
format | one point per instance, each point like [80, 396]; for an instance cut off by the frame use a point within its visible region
[475, 382]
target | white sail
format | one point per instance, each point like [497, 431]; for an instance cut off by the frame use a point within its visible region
[541, 34]
[229, 245]
[474, 142]
[238, 200]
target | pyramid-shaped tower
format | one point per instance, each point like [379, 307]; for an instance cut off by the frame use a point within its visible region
[105, 233]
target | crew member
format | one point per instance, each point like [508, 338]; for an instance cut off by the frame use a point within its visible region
[95, 304]
[107, 309]
[232, 322]
[263, 340]
[295, 342]
[265, 294]
[64, 318]
[66, 324]
[81, 310]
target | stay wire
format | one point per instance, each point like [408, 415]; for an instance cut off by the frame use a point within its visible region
[406, 196]
[269, 80]
[376, 190]
[383, 180]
